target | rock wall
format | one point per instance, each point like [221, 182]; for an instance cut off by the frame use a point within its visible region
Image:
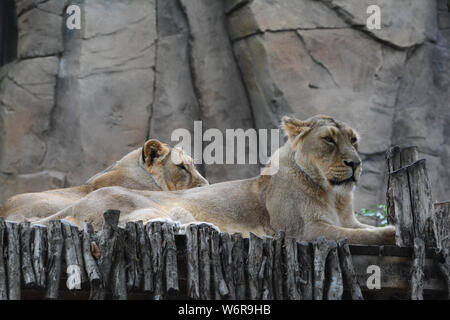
[75, 101]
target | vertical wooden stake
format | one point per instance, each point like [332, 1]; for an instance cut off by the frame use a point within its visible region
[205, 262]
[268, 252]
[255, 259]
[239, 266]
[145, 259]
[93, 272]
[54, 258]
[170, 259]
[29, 279]
[417, 275]
[320, 255]
[154, 232]
[193, 278]
[335, 283]
[3, 274]
[348, 270]
[278, 266]
[226, 247]
[107, 243]
[220, 286]
[306, 269]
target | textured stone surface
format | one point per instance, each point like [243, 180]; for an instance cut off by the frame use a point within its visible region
[404, 23]
[268, 15]
[40, 34]
[75, 101]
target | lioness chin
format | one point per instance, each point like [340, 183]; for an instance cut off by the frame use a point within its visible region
[310, 195]
[147, 168]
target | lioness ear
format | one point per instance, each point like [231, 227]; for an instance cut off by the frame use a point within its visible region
[295, 128]
[152, 150]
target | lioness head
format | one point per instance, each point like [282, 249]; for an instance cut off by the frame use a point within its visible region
[326, 150]
[172, 168]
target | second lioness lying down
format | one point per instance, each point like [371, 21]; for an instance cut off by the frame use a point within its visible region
[147, 168]
[310, 195]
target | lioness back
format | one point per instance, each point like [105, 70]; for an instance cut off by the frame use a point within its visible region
[147, 168]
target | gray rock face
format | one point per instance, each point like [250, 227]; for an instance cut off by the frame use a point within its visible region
[74, 101]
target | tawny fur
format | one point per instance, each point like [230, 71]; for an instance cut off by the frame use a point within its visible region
[157, 173]
[310, 195]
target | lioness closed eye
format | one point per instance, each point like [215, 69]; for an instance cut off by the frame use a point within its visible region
[146, 168]
[310, 195]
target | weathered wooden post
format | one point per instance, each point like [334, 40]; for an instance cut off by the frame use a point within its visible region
[320, 255]
[278, 266]
[29, 279]
[442, 222]
[335, 282]
[348, 270]
[239, 256]
[268, 251]
[90, 262]
[255, 259]
[3, 283]
[54, 258]
[409, 206]
[226, 255]
[108, 239]
[306, 269]
[193, 282]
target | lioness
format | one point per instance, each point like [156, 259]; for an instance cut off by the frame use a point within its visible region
[310, 195]
[146, 168]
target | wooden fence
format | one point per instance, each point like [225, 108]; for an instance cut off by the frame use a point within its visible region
[154, 261]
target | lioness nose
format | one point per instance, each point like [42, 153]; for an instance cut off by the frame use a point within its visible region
[352, 164]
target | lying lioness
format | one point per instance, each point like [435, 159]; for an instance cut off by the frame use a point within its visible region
[310, 195]
[147, 168]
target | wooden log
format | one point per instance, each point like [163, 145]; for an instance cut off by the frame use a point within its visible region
[74, 264]
[348, 270]
[93, 272]
[238, 254]
[397, 158]
[154, 232]
[293, 279]
[170, 260]
[13, 260]
[333, 274]
[76, 236]
[220, 286]
[226, 246]
[131, 257]
[29, 279]
[54, 258]
[421, 203]
[305, 256]
[40, 254]
[107, 241]
[268, 253]
[393, 163]
[118, 273]
[145, 260]
[278, 266]
[320, 246]
[255, 259]
[204, 262]
[401, 198]
[444, 266]
[409, 155]
[193, 280]
[3, 274]
[417, 274]
[442, 223]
